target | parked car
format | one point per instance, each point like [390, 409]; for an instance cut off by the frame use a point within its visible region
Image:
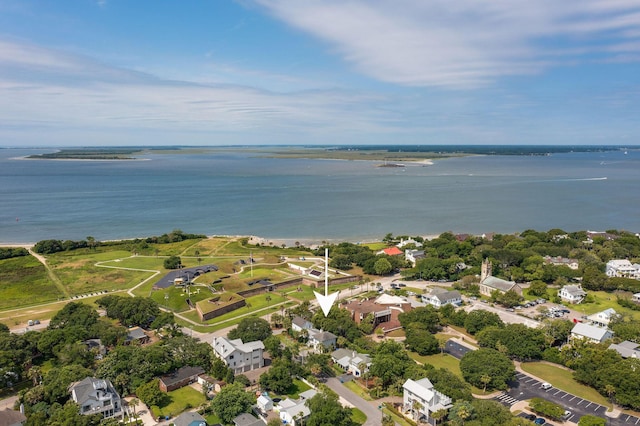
[539, 421]
[566, 414]
[546, 386]
[531, 417]
[402, 285]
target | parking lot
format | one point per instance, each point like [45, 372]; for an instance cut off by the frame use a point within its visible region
[527, 387]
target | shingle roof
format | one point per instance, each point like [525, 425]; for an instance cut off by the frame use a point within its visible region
[11, 417]
[498, 283]
[181, 374]
[590, 331]
[188, 419]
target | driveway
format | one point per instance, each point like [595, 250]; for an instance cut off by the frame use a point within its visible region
[374, 416]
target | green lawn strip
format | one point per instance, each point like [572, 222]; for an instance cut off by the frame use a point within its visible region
[24, 281]
[402, 421]
[376, 246]
[212, 419]
[358, 416]
[229, 319]
[563, 379]
[181, 400]
[357, 389]
[447, 362]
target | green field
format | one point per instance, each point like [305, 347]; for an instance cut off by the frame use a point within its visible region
[563, 379]
[24, 280]
[175, 298]
[447, 362]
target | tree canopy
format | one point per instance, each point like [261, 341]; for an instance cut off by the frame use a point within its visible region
[487, 362]
[251, 329]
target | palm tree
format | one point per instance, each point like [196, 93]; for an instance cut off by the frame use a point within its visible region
[610, 390]
[416, 406]
[439, 415]
[485, 379]
[134, 403]
[35, 375]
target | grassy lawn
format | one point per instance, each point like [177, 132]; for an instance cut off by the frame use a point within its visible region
[180, 400]
[358, 390]
[604, 300]
[20, 317]
[296, 389]
[396, 418]
[24, 281]
[212, 419]
[447, 362]
[177, 297]
[358, 416]
[563, 379]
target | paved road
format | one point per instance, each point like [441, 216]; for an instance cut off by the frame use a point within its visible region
[374, 416]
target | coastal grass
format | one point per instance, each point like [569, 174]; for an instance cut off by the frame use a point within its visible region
[24, 281]
[563, 379]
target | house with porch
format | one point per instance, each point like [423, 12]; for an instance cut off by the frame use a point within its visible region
[295, 411]
[572, 293]
[240, 357]
[351, 361]
[439, 297]
[602, 318]
[590, 333]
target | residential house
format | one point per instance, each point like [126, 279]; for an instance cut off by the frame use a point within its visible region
[96, 396]
[189, 418]
[421, 399]
[590, 333]
[298, 324]
[246, 419]
[409, 241]
[136, 335]
[636, 298]
[240, 357]
[96, 347]
[391, 251]
[211, 383]
[384, 310]
[413, 256]
[626, 349]
[12, 418]
[439, 297]
[351, 361]
[561, 261]
[180, 378]
[572, 293]
[294, 411]
[603, 318]
[489, 283]
[622, 268]
[264, 403]
[319, 339]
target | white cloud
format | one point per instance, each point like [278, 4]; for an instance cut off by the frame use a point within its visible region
[462, 43]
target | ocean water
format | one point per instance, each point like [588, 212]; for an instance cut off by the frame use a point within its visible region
[239, 193]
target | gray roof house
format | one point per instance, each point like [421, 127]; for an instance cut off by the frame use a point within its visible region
[591, 333]
[298, 324]
[439, 297]
[318, 339]
[294, 411]
[246, 419]
[626, 349]
[189, 418]
[96, 396]
[12, 418]
[351, 361]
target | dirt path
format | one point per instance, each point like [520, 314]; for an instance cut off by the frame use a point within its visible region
[52, 276]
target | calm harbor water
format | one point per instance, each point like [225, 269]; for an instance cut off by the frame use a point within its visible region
[238, 193]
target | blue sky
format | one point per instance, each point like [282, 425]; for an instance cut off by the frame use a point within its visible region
[247, 72]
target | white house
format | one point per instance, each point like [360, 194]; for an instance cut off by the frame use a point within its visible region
[572, 293]
[96, 396]
[603, 318]
[420, 399]
[440, 297]
[265, 403]
[413, 256]
[591, 333]
[408, 241]
[321, 339]
[238, 356]
[622, 268]
[298, 324]
[293, 411]
[351, 361]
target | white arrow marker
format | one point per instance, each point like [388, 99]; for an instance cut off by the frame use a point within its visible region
[326, 301]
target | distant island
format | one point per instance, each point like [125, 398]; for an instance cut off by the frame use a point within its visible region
[391, 155]
[89, 154]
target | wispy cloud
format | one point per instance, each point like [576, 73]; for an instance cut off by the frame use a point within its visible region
[464, 43]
